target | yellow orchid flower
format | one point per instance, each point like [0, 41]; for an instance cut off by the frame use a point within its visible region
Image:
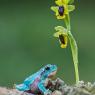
[62, 9]
[61, 2]
[62, 36]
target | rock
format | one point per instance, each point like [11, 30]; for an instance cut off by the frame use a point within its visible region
[58, 87]
[5, 91]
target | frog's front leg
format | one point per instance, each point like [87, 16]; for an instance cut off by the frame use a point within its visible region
[43, 89]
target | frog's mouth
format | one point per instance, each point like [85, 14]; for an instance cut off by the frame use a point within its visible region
[52, 74]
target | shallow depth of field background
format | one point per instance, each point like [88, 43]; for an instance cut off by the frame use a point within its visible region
[27, 42]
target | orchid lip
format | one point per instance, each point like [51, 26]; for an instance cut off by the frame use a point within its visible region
[61, 38]
[61, 10]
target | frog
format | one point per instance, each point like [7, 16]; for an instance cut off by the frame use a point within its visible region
[35, 83]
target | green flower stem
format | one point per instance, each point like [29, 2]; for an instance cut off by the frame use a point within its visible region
[74, 48]
[67, 21]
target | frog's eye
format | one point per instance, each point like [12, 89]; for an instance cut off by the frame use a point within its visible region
[47, 68]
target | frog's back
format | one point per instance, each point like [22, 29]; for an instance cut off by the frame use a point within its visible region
[31, 78]
[27, 82]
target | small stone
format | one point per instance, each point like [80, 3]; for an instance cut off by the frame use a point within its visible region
[59, 81]
[89, 84]
[56, 92]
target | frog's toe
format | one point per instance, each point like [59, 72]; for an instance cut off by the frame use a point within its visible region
[22, 87]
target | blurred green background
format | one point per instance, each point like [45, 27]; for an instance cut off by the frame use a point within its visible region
[27, 42]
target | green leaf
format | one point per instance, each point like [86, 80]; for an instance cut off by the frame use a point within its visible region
[60, 28]
[71, 8]
[54, 8]
[70, 1]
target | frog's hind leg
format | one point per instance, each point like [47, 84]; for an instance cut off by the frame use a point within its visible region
[22, 87]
